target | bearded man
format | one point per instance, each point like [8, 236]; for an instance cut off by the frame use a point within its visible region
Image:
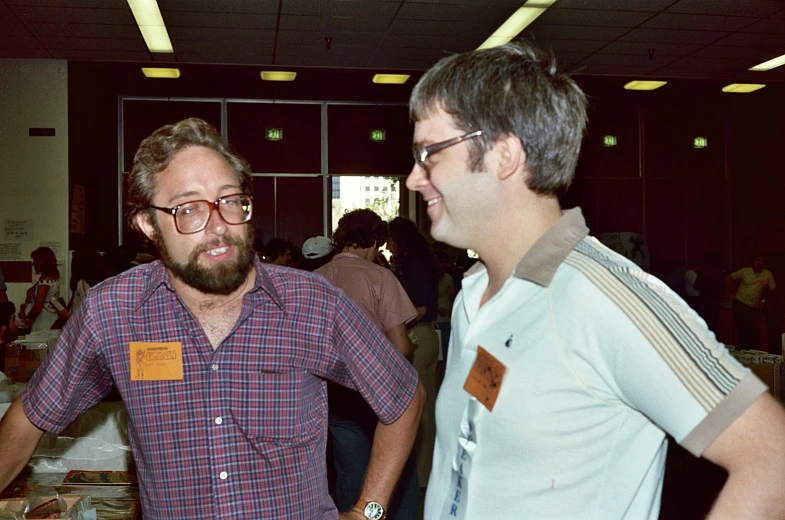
[221, 361]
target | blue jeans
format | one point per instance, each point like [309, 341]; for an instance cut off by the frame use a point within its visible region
[352, 451]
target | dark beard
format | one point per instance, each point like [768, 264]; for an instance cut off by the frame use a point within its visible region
[223, 279]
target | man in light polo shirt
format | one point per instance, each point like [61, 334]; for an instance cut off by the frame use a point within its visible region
[568, 364]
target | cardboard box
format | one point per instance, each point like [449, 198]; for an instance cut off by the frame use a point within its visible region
[771, 375]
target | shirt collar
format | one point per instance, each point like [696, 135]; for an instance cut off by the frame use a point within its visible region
[160, 276]
[539, 264]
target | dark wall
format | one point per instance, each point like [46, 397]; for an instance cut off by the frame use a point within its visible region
[717, 203]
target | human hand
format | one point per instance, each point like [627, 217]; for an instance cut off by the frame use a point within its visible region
[352, 514]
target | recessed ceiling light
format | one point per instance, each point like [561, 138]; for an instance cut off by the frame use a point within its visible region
[151, 24]
[157, 72]
[771, 64]
[516, 23]
[278, 75]
[742, 88]
[391, 79]
[644, 85]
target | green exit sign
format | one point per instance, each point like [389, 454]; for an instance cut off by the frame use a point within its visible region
[609, 141]
[274, 134]
[700, 142]
[378, 136]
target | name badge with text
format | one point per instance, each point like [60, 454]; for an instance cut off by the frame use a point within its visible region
[156, 361]
[485, 378]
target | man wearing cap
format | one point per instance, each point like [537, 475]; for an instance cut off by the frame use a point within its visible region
[379, 293]
[317, 251]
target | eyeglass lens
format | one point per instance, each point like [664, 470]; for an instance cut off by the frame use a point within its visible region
[193, 216]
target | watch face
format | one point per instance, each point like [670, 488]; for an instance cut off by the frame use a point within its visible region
[373, 511]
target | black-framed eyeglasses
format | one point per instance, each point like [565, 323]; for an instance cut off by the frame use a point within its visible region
[193, 216]
[421, 152]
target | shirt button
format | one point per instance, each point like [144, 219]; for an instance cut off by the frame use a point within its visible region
[214, 367]
[218, 420]
[223, 475]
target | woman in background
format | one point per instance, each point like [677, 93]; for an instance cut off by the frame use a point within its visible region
[38, 313]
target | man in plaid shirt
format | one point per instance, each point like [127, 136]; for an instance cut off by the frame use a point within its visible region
[221, 362]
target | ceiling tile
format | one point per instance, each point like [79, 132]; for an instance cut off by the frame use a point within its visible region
[727, 7]
[512, 4]
[75, 15]
[20, 42]
[454, 13]
[426, 41]
[593, 17]
[560, 47]
[610, 70]
[98, 4]
[698, 21]
[101, 55]
[259, 55]
[227, 20]
[631, 60]
[318, 40]
[672, 36]
[360, 8]
[753, 54]
[108, 44]
[768, 26]
[10, 28]
[224, 6]
[643, 49]
[83, 30]
[753, 40]
[574, 32]
[20, 52]
[413, 27]
[218, 34]
[648, 6]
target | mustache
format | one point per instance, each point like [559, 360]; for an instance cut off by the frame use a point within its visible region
[215, 244]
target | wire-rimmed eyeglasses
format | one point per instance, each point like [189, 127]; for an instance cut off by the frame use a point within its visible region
[193, 216]
[421, 152]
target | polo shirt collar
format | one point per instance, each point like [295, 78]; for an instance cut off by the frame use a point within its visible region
[539, 264]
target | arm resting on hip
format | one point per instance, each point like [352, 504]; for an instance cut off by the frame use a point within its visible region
[392, 444]
[18, 440]
[753, 452]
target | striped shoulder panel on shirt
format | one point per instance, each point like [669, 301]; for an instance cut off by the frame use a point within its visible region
[688, 348]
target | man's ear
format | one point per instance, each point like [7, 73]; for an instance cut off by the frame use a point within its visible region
[512, 156]
[145, 223]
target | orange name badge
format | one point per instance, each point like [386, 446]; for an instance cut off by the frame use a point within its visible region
[156, 361]
[485, 378]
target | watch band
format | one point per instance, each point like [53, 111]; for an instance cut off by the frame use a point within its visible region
[362, 507]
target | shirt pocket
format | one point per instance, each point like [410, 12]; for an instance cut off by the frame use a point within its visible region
[273, 406]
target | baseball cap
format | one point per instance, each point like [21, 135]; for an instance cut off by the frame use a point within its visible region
[317, 247]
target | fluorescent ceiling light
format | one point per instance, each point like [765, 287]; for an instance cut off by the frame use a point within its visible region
[151, 24]
[157, 72]
[391, 79]
[644, 85]
[771, 64]
[516, 23]
[278, 75]
[742, 88]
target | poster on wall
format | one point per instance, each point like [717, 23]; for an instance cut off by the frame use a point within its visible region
[77, 222]
[18, 230]
[11, 251]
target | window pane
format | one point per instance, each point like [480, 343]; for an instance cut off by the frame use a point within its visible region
[350, 192]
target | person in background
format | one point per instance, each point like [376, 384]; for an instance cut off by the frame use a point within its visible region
[378, 292]
[9, 330]
[38, 313]
[87, 270]
[3, 288]
[416, 268]
[754, 285]
[317, 251]
[447, 295]
[278, 251]
[220, 360]
[568, 364]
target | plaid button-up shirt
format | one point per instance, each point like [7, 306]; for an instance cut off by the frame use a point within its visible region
[243, 434]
